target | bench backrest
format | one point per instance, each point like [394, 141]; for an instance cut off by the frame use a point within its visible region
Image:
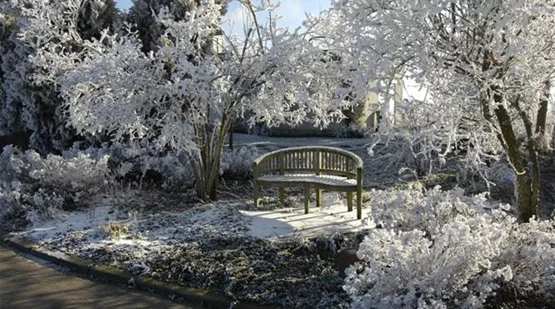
[318, 160]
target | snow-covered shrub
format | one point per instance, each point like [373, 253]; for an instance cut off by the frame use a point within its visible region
[530, 252]
[76, 172]
[19, 206]
[238, 163]
[468, 260]
[176, 170]
[497, 177]
[455, 268]
[13, 213]
[33, 187]
[425, 210]
[137, 163]
[79, 174]
[442, 249]
[42, 204]
[387, 159]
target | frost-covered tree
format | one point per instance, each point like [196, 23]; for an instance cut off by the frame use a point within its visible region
[486, 66]
[36, 108]
[95, 16]
[142, 16]
[184, 96]
[25, 107]
[10, 114]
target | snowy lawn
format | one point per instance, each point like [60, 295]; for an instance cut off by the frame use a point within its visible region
[224, 217]
[274, 143]
[278, 257]
[332, 217]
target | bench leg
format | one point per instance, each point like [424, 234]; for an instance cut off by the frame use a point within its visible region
[306, 198]
[318, 197]
[359, 203]
[256, 195]
[282, 195]
[350, 201]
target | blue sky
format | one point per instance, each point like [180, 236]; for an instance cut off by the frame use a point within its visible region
[123, 4]
[292, 11]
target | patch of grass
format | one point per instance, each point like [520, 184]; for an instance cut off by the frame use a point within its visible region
[114, 230]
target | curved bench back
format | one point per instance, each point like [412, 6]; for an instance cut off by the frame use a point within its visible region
[318, 160]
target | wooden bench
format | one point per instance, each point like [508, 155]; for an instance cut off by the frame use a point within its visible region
[321, 168]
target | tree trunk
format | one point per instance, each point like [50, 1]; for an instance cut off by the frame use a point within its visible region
[527, 204]
[231, 137]
[527, 176]
[206, 166]
[207, 176]
[208, 185]
[214, 189]
[526, 188]
[541, 121]
[526, 180]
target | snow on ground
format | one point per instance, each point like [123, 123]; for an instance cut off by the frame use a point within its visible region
[219, 246]
[86, 221]
[222, 218]
[332, 217]
[101, 209]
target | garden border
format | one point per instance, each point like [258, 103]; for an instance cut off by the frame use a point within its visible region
[202, 297]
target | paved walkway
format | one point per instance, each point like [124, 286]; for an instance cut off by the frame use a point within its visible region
[26, 284]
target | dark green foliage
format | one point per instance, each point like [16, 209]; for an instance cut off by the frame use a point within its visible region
[37, 109]
[142, 15]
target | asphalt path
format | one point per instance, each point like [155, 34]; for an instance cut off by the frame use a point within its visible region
[24, 283]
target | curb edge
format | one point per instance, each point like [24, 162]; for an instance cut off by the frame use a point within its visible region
[206, 298]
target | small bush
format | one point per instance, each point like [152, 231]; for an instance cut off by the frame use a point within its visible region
[455, 268]
[139, 165]
[74, 172]
[387, 160]
[499, 175]
[19, 206]
[442, 249]
[425, 210]
[237, 164]
[530, 252]
[33, 188]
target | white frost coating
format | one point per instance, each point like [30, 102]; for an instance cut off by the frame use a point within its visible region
[434, 249]
[453, 57]
[189, 225]
[321, 179]
[24, 107]
[111, 86]
[185, 95]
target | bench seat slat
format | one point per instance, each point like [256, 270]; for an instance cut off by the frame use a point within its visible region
[325, 180]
